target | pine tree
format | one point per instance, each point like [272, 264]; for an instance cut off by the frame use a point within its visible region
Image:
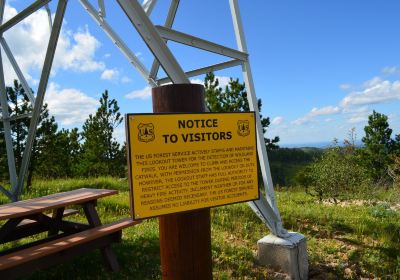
[101, 153]
[19, 110]
[233, 99]
[18, 105]
[3, 155]
[46, 161]
[378, 145]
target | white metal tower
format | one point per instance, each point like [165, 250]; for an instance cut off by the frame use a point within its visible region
[156, 38]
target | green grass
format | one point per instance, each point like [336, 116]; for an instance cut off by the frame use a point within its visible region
[344, 242]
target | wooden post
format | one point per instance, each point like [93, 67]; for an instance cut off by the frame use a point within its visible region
[185, 238]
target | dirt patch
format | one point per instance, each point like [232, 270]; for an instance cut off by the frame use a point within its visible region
[361, 202]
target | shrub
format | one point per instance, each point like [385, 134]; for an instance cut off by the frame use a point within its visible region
[337, 175]
[394, 171]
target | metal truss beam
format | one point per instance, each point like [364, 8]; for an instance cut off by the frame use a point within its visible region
[17, 70]
[5, 192]
[6, 121]
[156, 44]
[148, 6]
[48, 61]
[265, 212]
[49, 16]
[14, 118]
[132, 58]
[23, 14]
[199, 43]
[204, 70]
[253, 104]
[169, 21]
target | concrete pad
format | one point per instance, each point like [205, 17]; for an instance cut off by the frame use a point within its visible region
[287, 254]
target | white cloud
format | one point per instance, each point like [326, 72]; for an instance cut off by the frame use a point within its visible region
[197, 81]
[77, 52]
[356, 110]
[356, 115]
[315, 112]
[372, 82]
[223, 81]
[277, 120]
[69, 106]
[28, 42]
[390, 70]
[328, 110]
[357, 119]
[374, 91]
[120, 134]
[125, 79]
[301, 120]
[110, 74]
[345, 87]
[144, 93]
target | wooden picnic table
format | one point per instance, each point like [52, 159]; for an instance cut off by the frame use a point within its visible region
[65, 239]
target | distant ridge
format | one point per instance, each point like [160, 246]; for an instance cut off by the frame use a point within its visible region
[320, 145]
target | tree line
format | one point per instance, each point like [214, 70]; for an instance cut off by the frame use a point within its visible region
[92, 151]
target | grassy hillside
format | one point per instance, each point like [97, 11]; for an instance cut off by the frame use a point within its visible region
[361, 239]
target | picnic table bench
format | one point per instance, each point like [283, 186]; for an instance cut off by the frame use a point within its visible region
[65, 239]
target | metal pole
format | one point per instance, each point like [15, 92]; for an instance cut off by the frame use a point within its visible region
[48, 61]
[253, 104]
[6, 121]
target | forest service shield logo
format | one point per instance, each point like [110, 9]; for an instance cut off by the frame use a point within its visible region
[243, 127]
[146, 132]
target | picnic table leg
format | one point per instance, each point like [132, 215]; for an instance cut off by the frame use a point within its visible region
[8, 227]
[57, 216]
[94, 220]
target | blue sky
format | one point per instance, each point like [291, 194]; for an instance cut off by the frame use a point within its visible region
[320, 67]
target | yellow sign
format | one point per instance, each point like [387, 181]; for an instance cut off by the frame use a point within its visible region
[181, 162]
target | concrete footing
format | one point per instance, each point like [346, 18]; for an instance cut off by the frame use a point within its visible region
[288, 255]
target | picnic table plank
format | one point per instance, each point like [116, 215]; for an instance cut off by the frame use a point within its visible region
[38, 205]
[46, 249]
